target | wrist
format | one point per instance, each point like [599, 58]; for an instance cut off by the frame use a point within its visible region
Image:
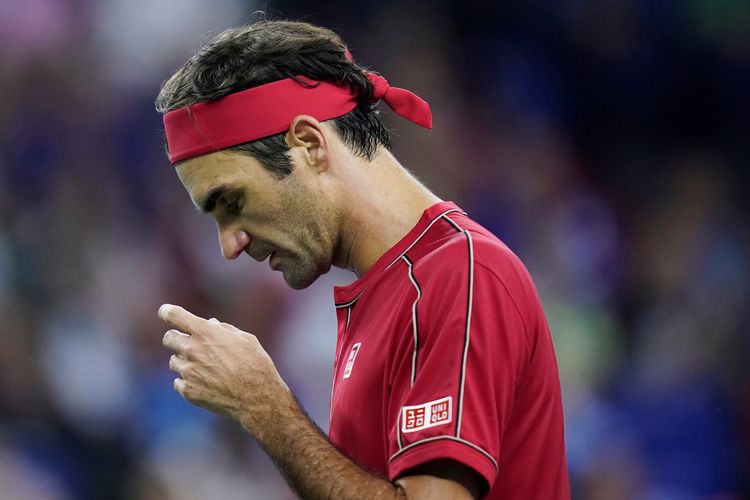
[271, 417]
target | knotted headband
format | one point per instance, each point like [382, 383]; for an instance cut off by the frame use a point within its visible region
[269, 109]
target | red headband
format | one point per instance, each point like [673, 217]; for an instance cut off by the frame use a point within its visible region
[268, 109]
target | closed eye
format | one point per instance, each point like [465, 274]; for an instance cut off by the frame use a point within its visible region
[234, 206]
[228, 198]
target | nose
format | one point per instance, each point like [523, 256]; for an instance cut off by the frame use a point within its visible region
[233, 241]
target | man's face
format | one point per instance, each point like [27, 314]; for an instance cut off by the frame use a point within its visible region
[288, 219]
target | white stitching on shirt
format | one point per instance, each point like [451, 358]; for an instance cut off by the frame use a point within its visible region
[422, 234]
[414, 319]
[449, 438]
[351, 302]
[467, 338]
[415, 331]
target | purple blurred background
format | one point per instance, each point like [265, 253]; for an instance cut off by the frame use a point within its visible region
[606, 141]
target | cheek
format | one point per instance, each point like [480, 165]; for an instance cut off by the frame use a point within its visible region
[305, 221]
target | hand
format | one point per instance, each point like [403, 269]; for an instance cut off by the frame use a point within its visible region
[222, 368]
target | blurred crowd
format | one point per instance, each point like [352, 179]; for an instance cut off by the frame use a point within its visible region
[607, 142]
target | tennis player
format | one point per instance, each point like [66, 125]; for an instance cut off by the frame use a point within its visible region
[445, 381]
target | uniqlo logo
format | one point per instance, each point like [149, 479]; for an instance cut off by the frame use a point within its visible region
[413, 418]
[424, 416]
[350, 361]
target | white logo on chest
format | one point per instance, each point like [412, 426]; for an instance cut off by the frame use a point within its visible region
[350, 361]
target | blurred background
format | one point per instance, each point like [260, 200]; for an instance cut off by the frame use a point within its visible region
[606, 141]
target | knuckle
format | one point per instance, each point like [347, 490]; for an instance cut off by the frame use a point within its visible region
[183, 388]
[187, 391]
[190, 352]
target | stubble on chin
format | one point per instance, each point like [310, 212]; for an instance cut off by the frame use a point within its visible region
[301, 274]
[297, 275]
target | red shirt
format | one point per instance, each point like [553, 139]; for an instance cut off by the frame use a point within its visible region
[444, 352]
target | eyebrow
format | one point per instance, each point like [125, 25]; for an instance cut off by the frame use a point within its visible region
[213, 196]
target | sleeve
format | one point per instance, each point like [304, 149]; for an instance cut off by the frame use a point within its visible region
[455, 375]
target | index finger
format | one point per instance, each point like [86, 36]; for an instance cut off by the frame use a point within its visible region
[180, 318]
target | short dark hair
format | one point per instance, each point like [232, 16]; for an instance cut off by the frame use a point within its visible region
[267, 51]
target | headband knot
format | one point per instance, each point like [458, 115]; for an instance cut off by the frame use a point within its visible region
[268, 109]
[401, 101]
[380, 85]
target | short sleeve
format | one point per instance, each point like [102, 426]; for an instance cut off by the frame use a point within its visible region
[455, 376]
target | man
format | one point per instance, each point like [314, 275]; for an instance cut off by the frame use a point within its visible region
[445, 381]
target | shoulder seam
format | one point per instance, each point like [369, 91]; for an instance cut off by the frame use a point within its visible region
[432, 222]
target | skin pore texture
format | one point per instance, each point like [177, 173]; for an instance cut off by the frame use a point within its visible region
[334, 209]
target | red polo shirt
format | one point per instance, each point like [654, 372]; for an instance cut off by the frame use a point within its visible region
[444, 352]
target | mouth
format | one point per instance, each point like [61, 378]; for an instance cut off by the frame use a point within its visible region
[258, 257]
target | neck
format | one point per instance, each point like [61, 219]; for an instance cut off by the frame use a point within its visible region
[388, 202]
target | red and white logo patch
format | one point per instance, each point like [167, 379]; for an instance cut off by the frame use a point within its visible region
[424, 416]
[350, 361]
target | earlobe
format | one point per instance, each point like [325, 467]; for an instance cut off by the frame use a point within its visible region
[308, 133]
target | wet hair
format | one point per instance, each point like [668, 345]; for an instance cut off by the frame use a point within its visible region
[267, 51]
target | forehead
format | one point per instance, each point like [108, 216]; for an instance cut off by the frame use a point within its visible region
[201, 174]
[207, 168]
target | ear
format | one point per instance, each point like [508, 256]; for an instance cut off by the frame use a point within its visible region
[309, 134]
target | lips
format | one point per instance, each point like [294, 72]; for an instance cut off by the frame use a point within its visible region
[273, 260]
[259, 257]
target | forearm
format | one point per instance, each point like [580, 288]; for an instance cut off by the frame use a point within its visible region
[226, 370]
[314, 468]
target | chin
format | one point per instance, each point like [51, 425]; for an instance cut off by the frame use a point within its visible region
[301, 278]
[297, 283]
